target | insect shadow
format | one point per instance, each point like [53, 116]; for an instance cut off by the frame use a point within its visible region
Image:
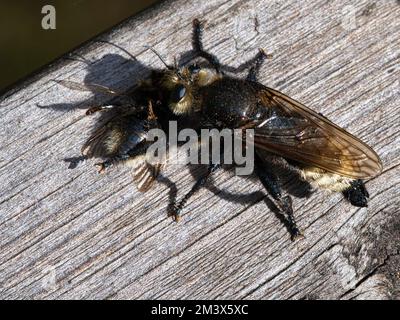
[99, 72]
[130, 72]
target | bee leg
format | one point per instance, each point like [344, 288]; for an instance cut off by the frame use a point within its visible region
[357, 194]
[284, 204]
[95, 109]
[122, 157]
[102, 166]
[177, 207]
[198, 46]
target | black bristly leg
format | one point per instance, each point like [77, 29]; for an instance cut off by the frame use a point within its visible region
[271, 184]
[115, 160]
[255, 65]
[177, 208]
[198, 46]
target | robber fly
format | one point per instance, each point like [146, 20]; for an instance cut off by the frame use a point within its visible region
[325, 155]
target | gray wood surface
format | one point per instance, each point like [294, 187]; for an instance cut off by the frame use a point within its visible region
[76, 234]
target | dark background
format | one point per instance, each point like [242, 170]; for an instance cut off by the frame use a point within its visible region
[25, 46]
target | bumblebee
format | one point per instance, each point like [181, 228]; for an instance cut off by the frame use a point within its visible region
[322, 153]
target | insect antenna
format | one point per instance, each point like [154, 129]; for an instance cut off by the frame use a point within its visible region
[159, 57]
[120, 48]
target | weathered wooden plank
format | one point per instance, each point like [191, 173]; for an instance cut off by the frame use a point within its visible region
[97, 237]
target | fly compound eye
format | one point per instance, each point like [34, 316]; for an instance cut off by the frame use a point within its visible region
[178, 93]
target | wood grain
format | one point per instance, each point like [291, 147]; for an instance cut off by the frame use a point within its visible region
[74, 234]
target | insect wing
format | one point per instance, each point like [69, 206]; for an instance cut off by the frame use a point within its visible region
[298, 133]
[144, 173]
